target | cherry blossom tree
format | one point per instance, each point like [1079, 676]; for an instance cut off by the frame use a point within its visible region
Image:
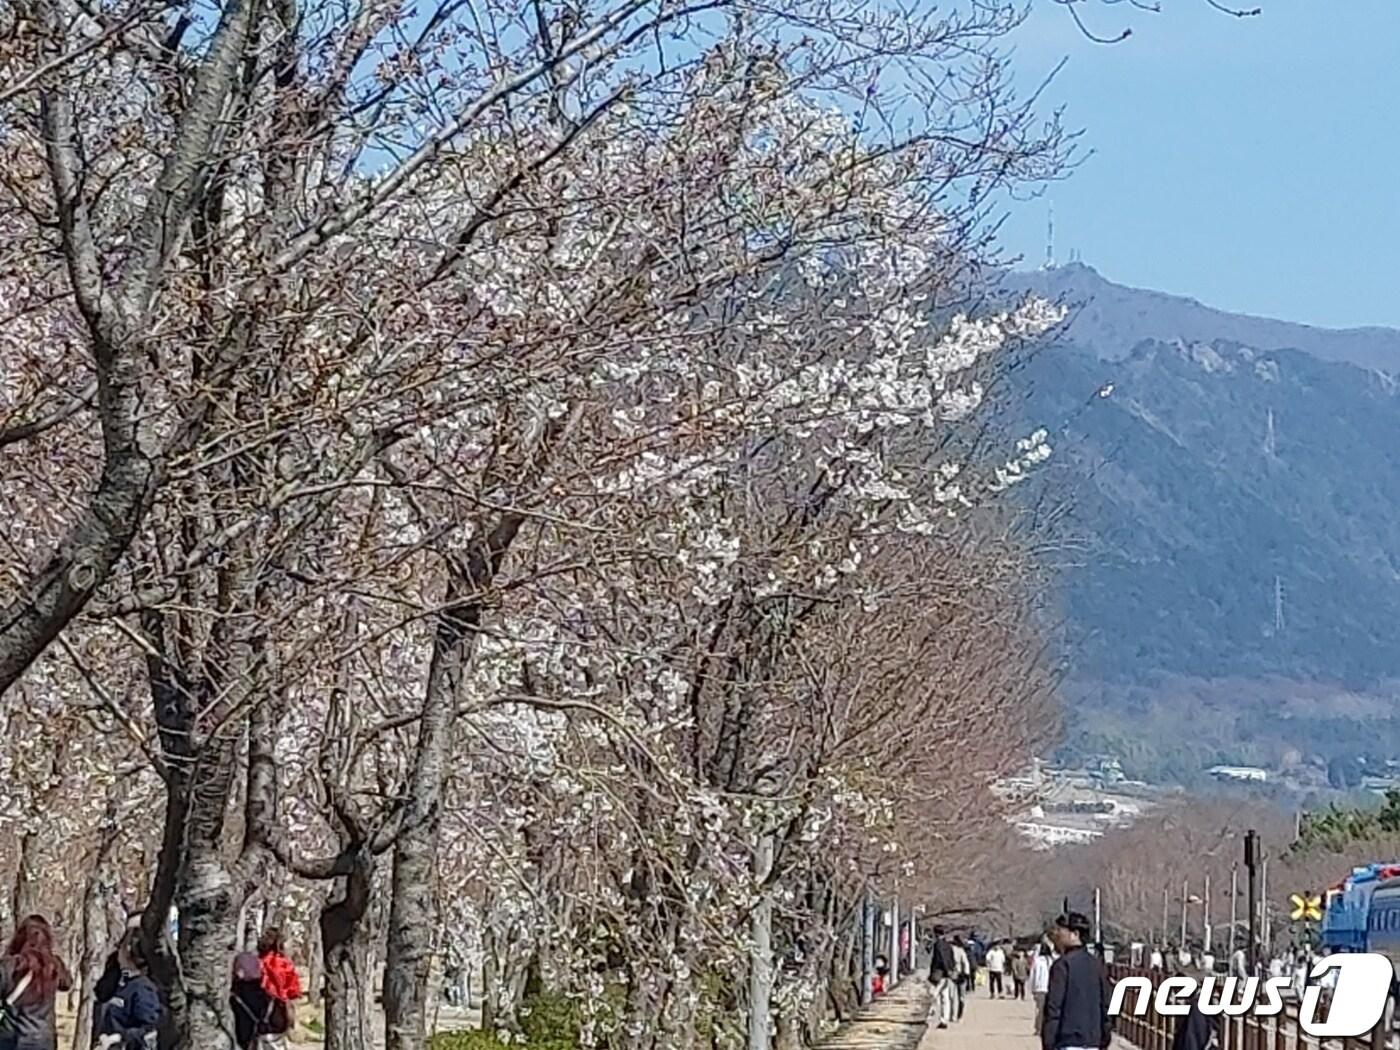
[580, 399]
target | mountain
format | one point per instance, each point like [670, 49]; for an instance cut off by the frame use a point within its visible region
[1230, 514]
[1111, 319]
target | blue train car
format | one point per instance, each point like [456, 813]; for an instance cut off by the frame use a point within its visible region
[1348, 923]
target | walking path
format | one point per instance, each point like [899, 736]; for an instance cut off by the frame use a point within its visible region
[988, 1024]
[893, 1022]
[992, 1024]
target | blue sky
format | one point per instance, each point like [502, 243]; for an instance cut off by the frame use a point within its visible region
[1249, 163]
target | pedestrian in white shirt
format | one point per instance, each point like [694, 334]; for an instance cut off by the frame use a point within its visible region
[996, 969]
[964, 981]
[1040, 980]
[1239, 964]
[1155, 961]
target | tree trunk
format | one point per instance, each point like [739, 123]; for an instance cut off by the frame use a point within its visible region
[345, 943]
[96, 933]
[408, 955]
[411, 909]
[24, 895]
[761, 951]
[490, 981]
[315, 962]
[208, 929]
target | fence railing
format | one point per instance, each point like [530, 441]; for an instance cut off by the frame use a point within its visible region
[1153, 1031]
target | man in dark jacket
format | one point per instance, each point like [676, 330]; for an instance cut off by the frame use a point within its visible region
[1195, 1031]
[1076, 1005]
[942, 970]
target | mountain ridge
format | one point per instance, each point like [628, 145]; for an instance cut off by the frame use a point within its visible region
[1113, 318]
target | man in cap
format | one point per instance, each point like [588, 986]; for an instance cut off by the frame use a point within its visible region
[1076, 1003]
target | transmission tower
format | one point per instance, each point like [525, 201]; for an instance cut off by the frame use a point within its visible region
[1278, 605]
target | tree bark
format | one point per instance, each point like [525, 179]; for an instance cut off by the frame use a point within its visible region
[761, 950]
[411, 911]
[24, 897]
[131, 469]
[345, 941]
[490, 981]
[95, 934]
[408, 956]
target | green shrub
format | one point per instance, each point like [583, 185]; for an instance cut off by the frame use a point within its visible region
[479, 1040]
[550, 1021]
[469, 1040]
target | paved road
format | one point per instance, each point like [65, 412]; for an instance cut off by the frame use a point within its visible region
[988, 1024]
[992, 1024]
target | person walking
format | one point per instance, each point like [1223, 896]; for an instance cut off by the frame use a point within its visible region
[111, 978]
[963, 983]
[1155, 960]
[1196, 1030]
[1020, 970]
[942, 972]
[1239, 963]
[283, 987]
[129, 1017]
[250, 1003]
[1076, 1003]
[1040, 980]
[996, 970]
[31, 976]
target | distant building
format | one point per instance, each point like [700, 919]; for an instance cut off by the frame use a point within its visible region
[1048, 836]
[1238, 773]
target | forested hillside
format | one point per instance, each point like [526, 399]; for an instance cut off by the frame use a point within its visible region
[1225, 514]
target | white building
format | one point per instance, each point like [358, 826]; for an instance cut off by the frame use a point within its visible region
[1238, 773]
[1048, 836]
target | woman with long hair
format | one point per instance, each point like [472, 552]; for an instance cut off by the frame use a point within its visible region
[31, 976]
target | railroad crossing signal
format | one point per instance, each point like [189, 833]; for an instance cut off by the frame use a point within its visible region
[1306, 906]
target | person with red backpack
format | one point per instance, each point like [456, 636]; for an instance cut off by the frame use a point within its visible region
[281, 983]
[265, 986]
[248, 999]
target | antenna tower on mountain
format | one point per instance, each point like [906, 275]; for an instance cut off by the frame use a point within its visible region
[1050, 240]
[1278, 605]
[1270, 445]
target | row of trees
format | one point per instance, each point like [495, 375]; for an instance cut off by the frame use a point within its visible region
[518, 472]
[1189, 840]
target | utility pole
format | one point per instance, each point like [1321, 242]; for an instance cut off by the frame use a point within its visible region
[1166, 930]
[1185, 893]
[894, 949]
[1265, 927]
[1251, 868]
[1234, 897]
[913, 940]
[1098, 923]
[1205, 916]
[867, 947]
